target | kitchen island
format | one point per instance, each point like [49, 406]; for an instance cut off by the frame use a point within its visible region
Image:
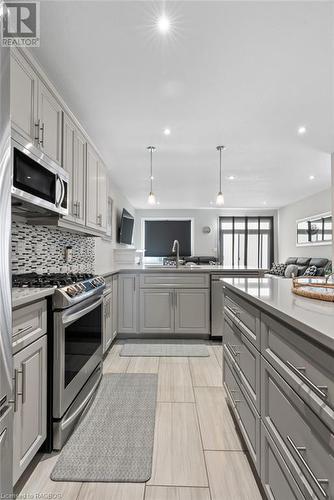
[279, 380]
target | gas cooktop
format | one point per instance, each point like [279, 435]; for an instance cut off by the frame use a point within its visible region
[57, 280]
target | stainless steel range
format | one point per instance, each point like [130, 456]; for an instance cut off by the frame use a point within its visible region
[77, 344]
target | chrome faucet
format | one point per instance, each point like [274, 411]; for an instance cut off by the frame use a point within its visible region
[176, 248]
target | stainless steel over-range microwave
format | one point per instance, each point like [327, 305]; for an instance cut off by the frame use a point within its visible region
[37, 186]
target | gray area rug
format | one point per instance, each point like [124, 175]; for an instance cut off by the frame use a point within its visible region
[166, 348]
[114, 440]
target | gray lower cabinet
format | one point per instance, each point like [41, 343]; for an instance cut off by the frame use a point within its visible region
[30, 386]
[192, 311]
[180, 311]
[156, 310]
[127, 303]
[107, 321]
[114, 306]
[290, 380]
[276, 478]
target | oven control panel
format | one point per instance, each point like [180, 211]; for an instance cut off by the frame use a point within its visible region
[84, 286]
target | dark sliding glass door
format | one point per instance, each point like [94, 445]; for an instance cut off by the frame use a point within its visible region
[246, 241]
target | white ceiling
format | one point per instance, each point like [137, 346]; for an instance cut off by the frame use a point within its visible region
[243, 74]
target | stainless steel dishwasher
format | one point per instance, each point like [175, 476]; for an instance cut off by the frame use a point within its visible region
[216, 305]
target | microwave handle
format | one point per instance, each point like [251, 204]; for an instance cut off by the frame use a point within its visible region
[62, 191]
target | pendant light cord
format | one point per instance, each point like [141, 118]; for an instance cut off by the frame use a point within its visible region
[151, 177]
[220, 170]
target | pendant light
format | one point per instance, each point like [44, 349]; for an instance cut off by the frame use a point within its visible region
[151, 200]
[220, 196]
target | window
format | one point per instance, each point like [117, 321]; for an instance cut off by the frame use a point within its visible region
[246, 241]
[160, 234]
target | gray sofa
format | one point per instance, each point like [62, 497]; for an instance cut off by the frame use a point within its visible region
[323, 265]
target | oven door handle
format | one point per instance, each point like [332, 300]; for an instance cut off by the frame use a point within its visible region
[70, 318]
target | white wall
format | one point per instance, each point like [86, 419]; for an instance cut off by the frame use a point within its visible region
[287, 216]
[104, 259]
[204, 244]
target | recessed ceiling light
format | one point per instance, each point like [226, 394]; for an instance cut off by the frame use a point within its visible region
[151, 177]
[158, 202]
[163, 24]
[231, 177]
[264, 203]
[211, 202]
[311, 177]
[167, 131]
[301, 130]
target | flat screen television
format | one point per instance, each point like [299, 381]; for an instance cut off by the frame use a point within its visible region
[126, 228]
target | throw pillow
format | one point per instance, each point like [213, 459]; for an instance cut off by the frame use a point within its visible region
[311, 271]
[277, 269]
[291, 269]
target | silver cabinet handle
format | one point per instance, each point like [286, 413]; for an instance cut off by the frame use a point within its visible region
[175, 298]
[318, 482]
[134, 284]
[25, 329]
[15, 388]
[99, 220]
[78, 208]
[320, 390]
[232, 347]
[37, 128]
[41, 141]
[75, 209]
[3, 435]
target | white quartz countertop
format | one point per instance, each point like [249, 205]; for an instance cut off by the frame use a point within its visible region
[152, 268]
[22, 296]
[313, 317]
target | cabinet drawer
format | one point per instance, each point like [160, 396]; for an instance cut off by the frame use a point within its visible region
[305, 442]
[276, 478]
[247, 417]
[305, 366]
[247, 359]
[29, 323]
[244, 315]
[174, 280]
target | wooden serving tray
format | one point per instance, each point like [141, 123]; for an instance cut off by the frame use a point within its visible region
[314, 288]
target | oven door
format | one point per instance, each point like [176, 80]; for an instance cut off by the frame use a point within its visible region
[77, 351]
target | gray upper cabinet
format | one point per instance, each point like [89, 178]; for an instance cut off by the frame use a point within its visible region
[156, 311]
[96, 210]
[74, 162]
[30, 376]
[23, 98]
[127, 303]
[192, 311]
[36, 114]
[50, 123]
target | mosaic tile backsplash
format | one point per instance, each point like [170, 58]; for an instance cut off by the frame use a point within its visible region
[42, 249]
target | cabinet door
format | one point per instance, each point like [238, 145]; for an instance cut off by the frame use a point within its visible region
[156, 310]
[50, 116]
[80, 145]
[23, 97]
[91, 200]
[102, 196]
[192, 309]
[107, 322]
[114, 314]
[69, 166]
[30, 415]
[127, 303]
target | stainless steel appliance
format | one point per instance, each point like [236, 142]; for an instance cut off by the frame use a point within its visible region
[216, 306]
[37, 186]
[77, 344]
[6, 368]
[77, 347]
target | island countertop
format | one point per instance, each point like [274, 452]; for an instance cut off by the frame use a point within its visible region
[313, 317]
